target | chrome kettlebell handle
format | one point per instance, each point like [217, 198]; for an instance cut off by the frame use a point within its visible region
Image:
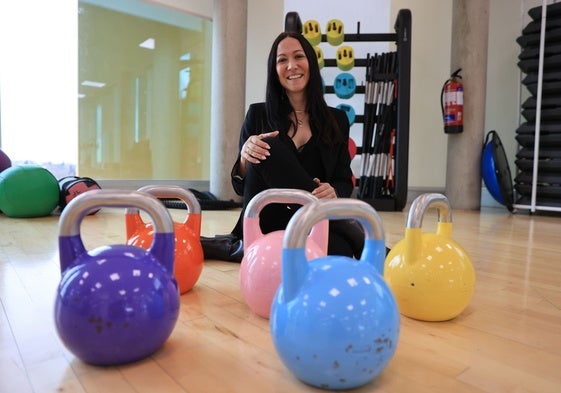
[332, 209]
[170, 192]
[70, 219]
[295, 265]
[70, 243]
[251, 227]
[277, 195]
[425, 201]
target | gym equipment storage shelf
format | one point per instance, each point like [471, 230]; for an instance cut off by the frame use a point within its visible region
[397, 200]
[538, 160]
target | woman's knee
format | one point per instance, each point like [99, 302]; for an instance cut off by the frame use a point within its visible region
[280, 156]
[276, 146]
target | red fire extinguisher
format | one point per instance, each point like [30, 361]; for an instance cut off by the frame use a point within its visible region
[452, 104]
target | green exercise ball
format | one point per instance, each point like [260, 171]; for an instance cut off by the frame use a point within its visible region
[28, 191]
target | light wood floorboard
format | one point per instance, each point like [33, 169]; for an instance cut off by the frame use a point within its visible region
[507, 340]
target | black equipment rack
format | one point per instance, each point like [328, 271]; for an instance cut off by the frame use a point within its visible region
[402, 39]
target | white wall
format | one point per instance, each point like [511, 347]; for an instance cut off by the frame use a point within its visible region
[265, 20]
[431, 26]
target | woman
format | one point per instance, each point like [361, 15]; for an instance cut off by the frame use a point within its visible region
[295, 140]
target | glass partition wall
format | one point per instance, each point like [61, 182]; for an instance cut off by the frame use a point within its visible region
[144, 93]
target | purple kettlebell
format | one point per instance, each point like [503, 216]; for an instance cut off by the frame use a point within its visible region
[118, 303]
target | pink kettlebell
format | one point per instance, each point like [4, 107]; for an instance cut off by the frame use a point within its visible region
[260, 268]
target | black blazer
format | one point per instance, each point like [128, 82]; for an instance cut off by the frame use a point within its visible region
[335, 159]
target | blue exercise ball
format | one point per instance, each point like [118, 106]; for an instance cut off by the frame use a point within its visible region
[496, 171]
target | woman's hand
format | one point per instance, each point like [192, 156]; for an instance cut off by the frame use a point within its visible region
[254, 149]
[324, 190]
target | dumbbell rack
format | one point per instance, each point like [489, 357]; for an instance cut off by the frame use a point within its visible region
[538, 161]
[402, 39]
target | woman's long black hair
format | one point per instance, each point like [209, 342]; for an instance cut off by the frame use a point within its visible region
[278, 106]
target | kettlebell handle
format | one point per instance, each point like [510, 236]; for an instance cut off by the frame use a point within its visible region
[332, 209]
[425, 201]
[252, 230]
[295, 266]
[278, 195]
[71, 245]
[170, 192]
[413, 230]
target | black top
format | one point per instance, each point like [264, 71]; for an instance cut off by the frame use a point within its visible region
[335, 160]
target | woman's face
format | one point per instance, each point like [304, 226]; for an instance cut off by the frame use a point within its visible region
[292, 66]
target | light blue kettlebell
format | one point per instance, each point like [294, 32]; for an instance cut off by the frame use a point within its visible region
[334, 321]
[117, 303]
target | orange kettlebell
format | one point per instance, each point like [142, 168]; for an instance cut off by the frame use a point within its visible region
[189, 256]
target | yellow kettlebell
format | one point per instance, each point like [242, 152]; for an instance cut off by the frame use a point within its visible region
[431, 275]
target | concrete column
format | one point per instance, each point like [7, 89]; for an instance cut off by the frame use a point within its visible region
[470, 30]
[229, 40]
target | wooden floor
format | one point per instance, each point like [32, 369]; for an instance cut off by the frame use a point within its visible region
[507, 340]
